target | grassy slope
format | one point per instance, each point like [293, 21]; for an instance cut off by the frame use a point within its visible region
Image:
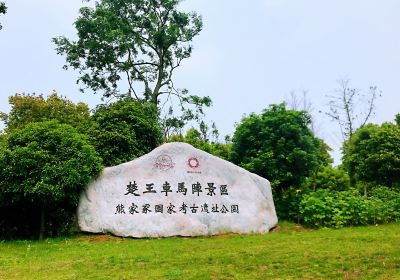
[289, 253]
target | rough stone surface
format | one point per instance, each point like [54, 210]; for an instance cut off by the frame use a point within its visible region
[119, 201]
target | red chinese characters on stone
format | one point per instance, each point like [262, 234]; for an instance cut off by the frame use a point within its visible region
[164, 163]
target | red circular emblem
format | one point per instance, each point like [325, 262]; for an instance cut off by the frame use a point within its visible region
[193, 162]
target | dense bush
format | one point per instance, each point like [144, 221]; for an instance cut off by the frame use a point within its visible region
[124, 130]
[328, 177]
[279, 146]
[387, 207]
[44, 167]
[372, 155]
[288, 205]
[327, 208]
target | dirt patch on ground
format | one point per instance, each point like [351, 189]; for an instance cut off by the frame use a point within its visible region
[98, 238]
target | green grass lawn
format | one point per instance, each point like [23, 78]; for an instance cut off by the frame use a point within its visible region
[288, 253]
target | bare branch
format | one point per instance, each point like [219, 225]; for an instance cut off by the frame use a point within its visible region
[371, 104]
[345, 109]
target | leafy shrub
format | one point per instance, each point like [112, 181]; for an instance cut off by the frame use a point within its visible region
[384, 205]
[279, 145]
[44, 167]
[325, 208]
[288, 206]
[372, 155]
[329, 178]
[124, 130]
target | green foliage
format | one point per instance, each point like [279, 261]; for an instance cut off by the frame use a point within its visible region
[288, 204]
[124, 130]
[140, 42]
[173, 124]
[323, 156]
[46, 164]
[49, 161]
[29, 108]
[330, 178]
[372, 155]
[398, 119]
[327, 208]
[2, 141]
[277, 145]
[120, 131]
[387, 204]
[385, 194]
[131, 48]
[195, 138]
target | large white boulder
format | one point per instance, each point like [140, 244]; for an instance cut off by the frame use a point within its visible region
[177, 190]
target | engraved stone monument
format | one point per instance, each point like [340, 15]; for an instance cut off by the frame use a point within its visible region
[177, 190]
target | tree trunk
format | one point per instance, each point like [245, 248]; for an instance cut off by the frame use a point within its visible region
[42, 223]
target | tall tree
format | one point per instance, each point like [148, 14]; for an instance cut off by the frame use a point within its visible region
[132, 48]
[351, 108]
[3, 10]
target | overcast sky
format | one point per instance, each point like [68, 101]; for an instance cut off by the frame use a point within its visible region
[250, 54]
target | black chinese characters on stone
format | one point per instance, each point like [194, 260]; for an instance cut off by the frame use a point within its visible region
[132, 188]
[133, 209]
[166, 188]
